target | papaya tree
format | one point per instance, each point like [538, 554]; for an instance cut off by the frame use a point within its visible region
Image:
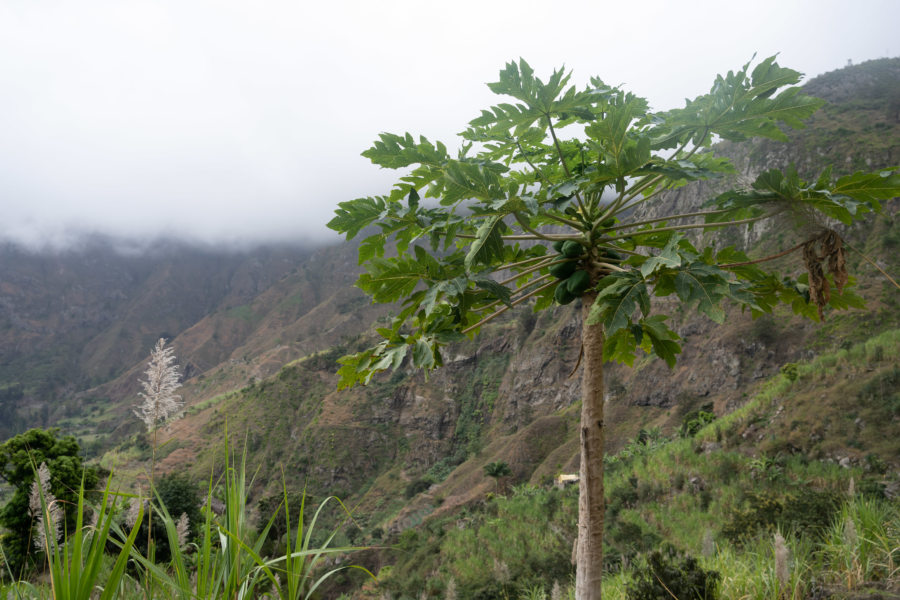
[546, 202]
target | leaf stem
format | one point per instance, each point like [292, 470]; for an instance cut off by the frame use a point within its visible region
[517, 291]
[562, 161]
[531, 164]
[765, 258]
[547, 237]
[563, 220]
[506, 307]
[608, 266]
[521, 262]
[669, 218]
[553, 260]
[695, 226]
[524, 224]
[874, 264]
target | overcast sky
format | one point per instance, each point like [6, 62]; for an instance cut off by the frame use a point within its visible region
[239, 121]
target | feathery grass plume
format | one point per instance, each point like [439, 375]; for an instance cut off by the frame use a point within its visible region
[782, 573]
[450, 590]
[556, 592]
[501, 571]
[41, 497]
[160, 402]
[182, 527]
[40, 485]
[850, 536]
[708, 544]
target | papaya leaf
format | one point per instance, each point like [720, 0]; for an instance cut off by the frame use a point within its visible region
[617, 301]
[659, 339]
[869, 187]
[355, 215]
[667, 258]
[706, 285]
[423, 355]
[488, 244]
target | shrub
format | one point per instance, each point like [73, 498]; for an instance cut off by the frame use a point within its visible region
[625, 540]
[179, 496]
[19, 458]
[790, 371]
[696, 420]
[621, 497]
[804, 510]
[416, 486]
[666, 574]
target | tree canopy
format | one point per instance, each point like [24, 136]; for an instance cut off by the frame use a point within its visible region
[472, 231]
[20, 457]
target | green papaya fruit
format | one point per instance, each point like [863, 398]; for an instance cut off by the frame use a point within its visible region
[606, 253]
[578, 283]
[562, 294]
[558, 245]
[563, 270]
[572, 249]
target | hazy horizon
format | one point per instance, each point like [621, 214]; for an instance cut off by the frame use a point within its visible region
[232, 124]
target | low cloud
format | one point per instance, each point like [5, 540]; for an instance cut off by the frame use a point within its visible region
[239, 123]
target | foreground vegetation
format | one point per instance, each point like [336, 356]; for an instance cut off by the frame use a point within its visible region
[99, 556]
[708, 507]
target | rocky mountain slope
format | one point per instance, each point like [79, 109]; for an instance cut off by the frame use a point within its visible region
[275, 357]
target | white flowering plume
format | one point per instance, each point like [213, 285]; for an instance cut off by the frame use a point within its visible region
[160, 402]
[782, 555]
[41, 487]
[182, 528]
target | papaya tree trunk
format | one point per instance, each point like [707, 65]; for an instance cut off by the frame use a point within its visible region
[589, 549]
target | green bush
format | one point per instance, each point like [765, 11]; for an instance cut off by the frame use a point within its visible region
[179, 495]
[20, 457]
[665, 574]
[803, 511]
[790, 371]
[517, 541]
[696, 420]
[624, 541]
[625, 496]
[416, 486]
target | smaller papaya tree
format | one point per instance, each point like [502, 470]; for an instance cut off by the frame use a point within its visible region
[525, 214]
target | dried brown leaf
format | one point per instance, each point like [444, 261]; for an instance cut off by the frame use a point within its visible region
[819, 292]
[829, 246]
[833, 248]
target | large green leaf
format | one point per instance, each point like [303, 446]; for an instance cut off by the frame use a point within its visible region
[394, 151]
[667, 258]
[355, 215]
[705, 285]
[619, 297]
[488, 243]
[869, 187]
[740, 106]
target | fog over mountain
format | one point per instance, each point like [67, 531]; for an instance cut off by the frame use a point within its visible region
[239, 123]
